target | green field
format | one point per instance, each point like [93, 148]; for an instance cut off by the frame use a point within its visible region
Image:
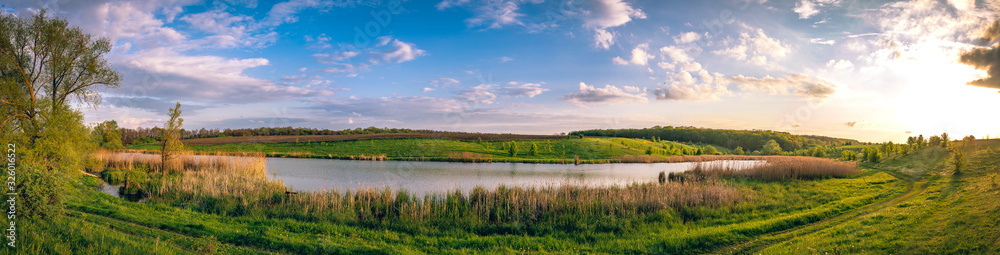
[589, 150]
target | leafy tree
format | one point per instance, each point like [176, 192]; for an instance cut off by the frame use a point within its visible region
[944, 140]
[872, 155]
[848, 155]
[534, 149]
[513, 149]
[771, 148]
[709, 150]
[958, 161]
[44, 61]
[107, 135]
[171, 137]
[934, 141]
[738, 150]
[819, 152]
[649, 150]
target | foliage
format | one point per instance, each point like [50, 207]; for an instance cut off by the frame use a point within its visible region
[534, 149]
[107, 135]
[171, 137]
[710, 150]
[958, 161]
[738, 151]
[848, 155]
[43, 62]
[771, 148]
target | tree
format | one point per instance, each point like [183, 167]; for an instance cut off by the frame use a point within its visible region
[819, 152]
[934, 141]
[44, 61]
[709, 150]
[513, 149]
[958, 161]
[848, 155]
[944, 139]
[771, 148]
[872, 155]
[107, 135]
[534, 149]
[738, 150]
[171, 137]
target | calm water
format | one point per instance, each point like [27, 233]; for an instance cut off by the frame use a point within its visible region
[423, 177]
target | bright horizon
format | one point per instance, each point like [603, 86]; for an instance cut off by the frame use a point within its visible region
[872, 71]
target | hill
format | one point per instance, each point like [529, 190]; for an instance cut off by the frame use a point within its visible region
[750, 140]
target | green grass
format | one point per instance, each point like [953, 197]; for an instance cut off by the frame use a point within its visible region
[589, 150]
[109, 225]
[949, 214]
[909, 204]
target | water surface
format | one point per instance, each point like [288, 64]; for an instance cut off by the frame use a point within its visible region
[436, 177]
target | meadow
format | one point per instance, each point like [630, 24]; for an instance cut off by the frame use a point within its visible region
[787, 205]
[559, 151]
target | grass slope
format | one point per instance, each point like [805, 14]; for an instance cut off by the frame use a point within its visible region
[549, 150]
[947, 213]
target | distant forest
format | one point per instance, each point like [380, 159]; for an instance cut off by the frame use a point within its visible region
[748, 139]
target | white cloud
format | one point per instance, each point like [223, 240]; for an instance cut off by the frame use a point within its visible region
[603, 39]
[506, 59]
[443, 82]
[426, 89]
[517, 89]
[841, 64]
[608, 95]
[666, 65]
[479, 94]
[496, 14]
[399, 52]
[450, 3]
[798, 84]
[676, 54]
[604, 14]
[169, 75]
[639, 56]
[610, 13]
[756, 47]
[688, 37]
[808, 8]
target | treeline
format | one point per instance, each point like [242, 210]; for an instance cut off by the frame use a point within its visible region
[747, 139]
[147, 135]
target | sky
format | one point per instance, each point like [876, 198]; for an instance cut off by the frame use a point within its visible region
[867, 70]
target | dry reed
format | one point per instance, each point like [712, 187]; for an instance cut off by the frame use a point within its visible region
[773, 168]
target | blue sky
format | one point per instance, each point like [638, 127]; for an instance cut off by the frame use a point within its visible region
[869, 70]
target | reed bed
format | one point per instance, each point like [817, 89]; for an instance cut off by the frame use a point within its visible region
[773, 168]
[469, 157]
[506, 205]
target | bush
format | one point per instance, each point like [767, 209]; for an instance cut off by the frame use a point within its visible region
[39, 192]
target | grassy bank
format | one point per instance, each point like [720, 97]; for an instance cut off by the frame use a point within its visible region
[948, 214]
[560, 151]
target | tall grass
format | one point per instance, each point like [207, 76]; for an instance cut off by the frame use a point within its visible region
[773, 168]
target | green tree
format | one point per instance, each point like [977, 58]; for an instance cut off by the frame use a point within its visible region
[43, 62]
[848, 155]
[710, 150]
[649, 150]
[934, 141]
[944, 139]
[171, 137]
[818, 152]
[107, 135]
[958, 161]
[512, 149]
[738, 150]
[534, 149]
[771, 148]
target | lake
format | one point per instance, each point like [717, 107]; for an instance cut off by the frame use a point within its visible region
[422, 177]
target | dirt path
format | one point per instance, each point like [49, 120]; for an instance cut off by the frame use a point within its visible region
[914, 187]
